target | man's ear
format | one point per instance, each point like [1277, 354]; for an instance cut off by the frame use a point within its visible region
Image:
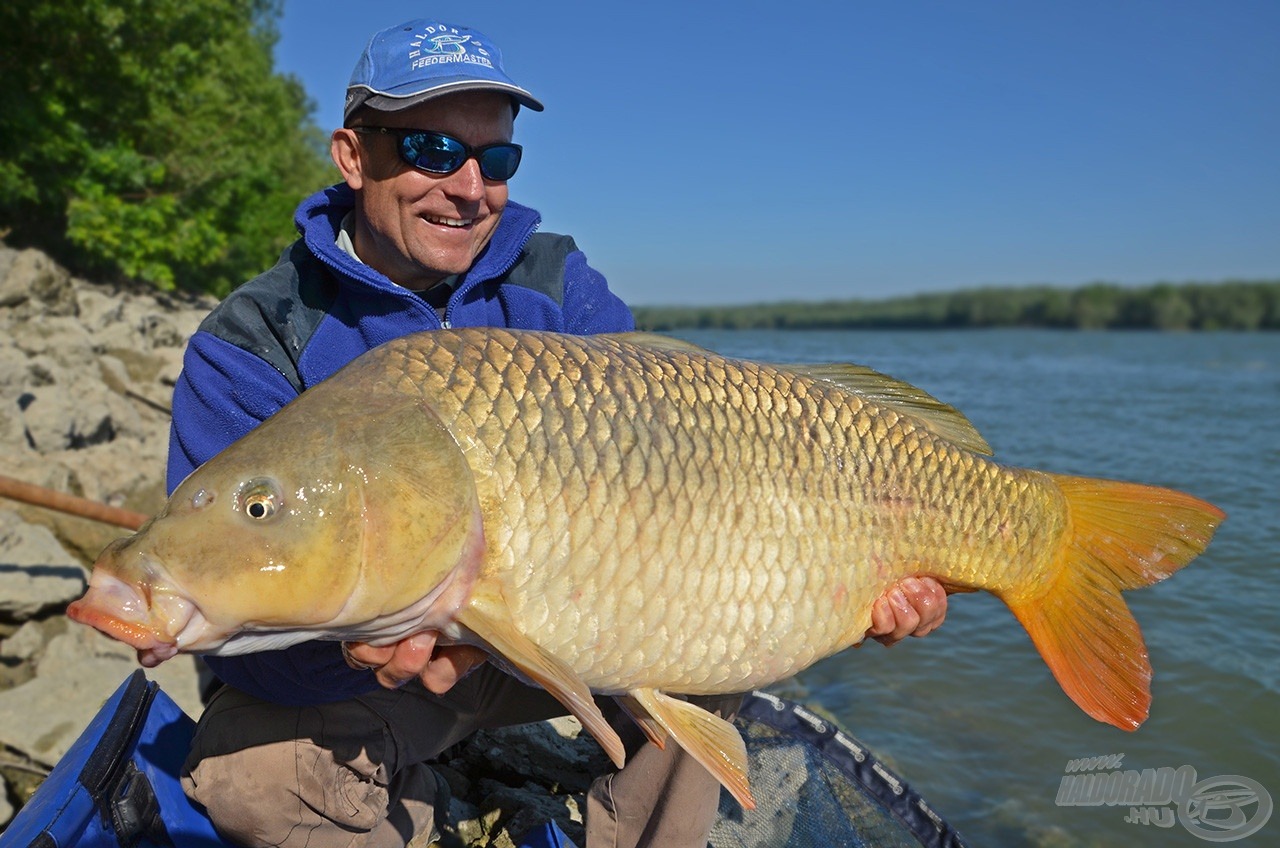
[344, 148]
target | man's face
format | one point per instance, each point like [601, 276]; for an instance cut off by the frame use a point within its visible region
[414, 227]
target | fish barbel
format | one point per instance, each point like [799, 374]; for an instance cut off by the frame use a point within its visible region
[633, 516]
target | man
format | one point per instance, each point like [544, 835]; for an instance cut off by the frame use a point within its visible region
[324, 744]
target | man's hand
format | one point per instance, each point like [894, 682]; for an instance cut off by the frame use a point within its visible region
[439, 667]
[914, 606]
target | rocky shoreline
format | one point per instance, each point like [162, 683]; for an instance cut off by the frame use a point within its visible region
[86, 374]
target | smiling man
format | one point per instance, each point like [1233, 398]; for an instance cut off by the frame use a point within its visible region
[414, 226]
[325, 744]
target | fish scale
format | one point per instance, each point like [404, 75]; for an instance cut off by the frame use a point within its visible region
[633, 516]
[555, 450]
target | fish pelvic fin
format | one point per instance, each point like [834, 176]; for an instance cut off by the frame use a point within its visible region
[709, 739]
[1121, 536]
[653, 731]
[488, 617]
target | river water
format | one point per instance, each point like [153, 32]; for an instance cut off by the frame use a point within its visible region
[970, 716]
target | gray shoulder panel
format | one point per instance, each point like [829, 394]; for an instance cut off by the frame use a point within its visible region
[541, 265]
[274, 315]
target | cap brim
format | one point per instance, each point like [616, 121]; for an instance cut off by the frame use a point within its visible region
[384, 102]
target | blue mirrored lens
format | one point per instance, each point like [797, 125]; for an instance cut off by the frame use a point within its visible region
[499, 162]
[432, 152]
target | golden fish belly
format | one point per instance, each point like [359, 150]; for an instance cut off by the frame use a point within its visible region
[698, 524]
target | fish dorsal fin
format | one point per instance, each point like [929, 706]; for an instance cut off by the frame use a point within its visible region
[656, 341]
[941, 419]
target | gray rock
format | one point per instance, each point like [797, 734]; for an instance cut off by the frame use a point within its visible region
[115, 375]
[554, 752]
[6, 809]
[100, 307]
[77, 672]
[26, 644]
[510, 811]
[507, 780]
[13, 383]
[12, 434]
[36, 284]
[7, 297]
[69, 654]
[36, 573]
[43, 717]
[57, 418]
[49, 283]
[63, 338]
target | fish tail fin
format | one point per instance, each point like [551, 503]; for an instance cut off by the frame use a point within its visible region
[1120, 536]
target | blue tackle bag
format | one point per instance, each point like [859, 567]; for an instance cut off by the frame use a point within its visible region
[548, 835]
[118, 785]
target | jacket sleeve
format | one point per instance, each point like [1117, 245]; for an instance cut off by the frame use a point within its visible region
[589, 307]
[222, 393]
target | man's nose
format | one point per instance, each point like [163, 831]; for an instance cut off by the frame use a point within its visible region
[467, 182]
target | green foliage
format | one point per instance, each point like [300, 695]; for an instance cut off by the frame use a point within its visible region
[1194, 306]
[152, 138]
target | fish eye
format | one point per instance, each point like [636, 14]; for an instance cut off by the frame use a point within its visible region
[260, 499]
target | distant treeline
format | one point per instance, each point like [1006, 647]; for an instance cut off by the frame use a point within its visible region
[1229, 305]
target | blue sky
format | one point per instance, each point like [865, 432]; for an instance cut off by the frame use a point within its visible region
[735, 152]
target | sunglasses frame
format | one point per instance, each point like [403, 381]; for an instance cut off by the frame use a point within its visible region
[405, 150]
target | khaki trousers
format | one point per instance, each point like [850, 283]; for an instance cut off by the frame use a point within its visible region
[352, 773]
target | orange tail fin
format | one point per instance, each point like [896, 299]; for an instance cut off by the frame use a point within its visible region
[1121, 536]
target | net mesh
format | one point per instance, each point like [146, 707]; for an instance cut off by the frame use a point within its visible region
[817, 786]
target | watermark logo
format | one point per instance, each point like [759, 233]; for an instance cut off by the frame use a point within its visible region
[1217, 809]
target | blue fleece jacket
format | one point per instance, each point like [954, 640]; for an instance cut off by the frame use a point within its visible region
[315, 311]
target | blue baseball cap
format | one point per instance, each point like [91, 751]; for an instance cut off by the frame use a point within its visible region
[421, 59]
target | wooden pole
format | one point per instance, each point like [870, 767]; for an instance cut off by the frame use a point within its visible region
[82, 507]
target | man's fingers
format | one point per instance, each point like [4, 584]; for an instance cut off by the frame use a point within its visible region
[409, 658]
[450, 664]
[439, 667]
[929, 599]
[905, 617]
[394, 665]
[881, 618]
[361, 656]
[914, 606]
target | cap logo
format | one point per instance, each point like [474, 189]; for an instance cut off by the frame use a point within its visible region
[439, 45]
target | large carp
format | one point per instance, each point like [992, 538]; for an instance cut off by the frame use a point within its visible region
[633, 516]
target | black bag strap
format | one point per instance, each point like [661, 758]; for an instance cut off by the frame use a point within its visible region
[121, 793]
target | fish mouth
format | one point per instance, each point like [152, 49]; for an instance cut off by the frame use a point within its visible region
[148, 616]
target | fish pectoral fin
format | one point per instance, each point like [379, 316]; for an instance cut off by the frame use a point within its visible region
[488, 617]
[653, 731]
[712, 741]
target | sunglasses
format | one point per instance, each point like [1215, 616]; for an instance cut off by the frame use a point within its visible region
[437, 153]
